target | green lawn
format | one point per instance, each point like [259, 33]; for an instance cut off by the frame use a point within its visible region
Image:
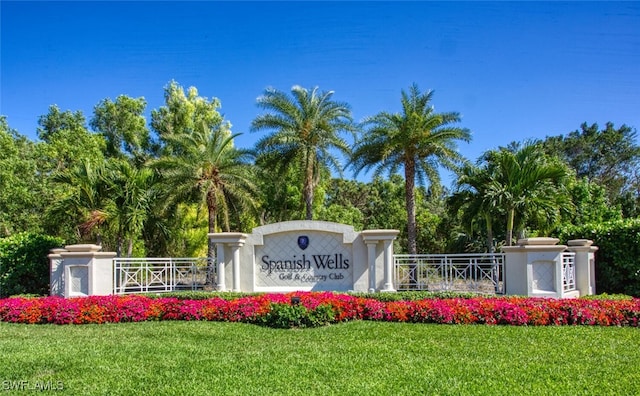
[357, 358]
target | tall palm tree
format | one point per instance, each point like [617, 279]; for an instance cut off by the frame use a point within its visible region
[305, 129]
[526, 183]
[418, 140]
[210, 171]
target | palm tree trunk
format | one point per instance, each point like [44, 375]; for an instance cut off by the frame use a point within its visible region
[307, 190]
[308, 200]
[511, 213]
[495, 270]
[211, 248]
[410, 199]
[490, 246]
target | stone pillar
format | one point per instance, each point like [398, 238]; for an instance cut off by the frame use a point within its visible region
[382, 256]
[228, 256]
[56, 273]
[86, 271]
[534, 268]
[388, 266]
[220, 281]
[371, 262]
[235, 252]
[585, 265]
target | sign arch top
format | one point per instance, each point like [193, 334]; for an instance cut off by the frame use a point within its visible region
[347, 231]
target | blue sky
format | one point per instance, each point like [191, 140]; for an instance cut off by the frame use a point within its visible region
[514, 70]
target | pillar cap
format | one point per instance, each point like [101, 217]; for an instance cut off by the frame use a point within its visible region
[580, 242]
[379, 235]
[88, 248]
[228, 237]
[538, 241]
[57, 250]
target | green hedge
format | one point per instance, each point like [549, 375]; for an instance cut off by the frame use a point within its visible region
[24, 266]
[384, 297]
[618, 256]
[288, 316]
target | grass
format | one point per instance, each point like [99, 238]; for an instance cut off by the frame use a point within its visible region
[356, 358]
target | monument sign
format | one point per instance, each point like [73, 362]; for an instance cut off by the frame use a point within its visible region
[305, 255]
[303, 259]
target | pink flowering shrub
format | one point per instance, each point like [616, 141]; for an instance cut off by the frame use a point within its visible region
[320, 308]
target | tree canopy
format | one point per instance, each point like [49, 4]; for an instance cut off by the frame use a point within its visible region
[158, 186]
[609, 157]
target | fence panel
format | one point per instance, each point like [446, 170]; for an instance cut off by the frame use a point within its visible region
[481, 273]
[568, 271]
[140, 275]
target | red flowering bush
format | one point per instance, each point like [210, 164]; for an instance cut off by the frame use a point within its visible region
[319, 308]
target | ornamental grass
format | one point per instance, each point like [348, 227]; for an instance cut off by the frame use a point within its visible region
[312, 309]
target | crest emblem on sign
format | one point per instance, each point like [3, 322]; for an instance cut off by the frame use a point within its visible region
[303, 242]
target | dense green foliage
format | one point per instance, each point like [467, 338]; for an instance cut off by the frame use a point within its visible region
[23, 192]
[157, 187]
[288, 316]
[24, 266]
[609, 157]
[520, 184]
[123, 127]
[356, 358]
[618, 263]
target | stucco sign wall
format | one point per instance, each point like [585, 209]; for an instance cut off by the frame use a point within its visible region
[304, 255]
[304, 258]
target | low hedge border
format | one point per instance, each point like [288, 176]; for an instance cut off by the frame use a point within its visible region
[312, 309]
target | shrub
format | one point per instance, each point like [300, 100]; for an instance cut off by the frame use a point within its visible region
[618, 256]
[415, 295]
[287, 316]
[201, 295]
[605, 296]
[396, 296]
[24, 266]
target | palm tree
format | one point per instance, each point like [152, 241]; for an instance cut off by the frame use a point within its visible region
[477, 196]
[419, 140]
[526, 183]
[210, 171]
[306, 127]
[86, 199]
[111, 197]
[133, 193]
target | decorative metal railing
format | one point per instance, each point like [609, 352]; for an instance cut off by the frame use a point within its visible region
[568, 271]
[480, 273]
[140, 275]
